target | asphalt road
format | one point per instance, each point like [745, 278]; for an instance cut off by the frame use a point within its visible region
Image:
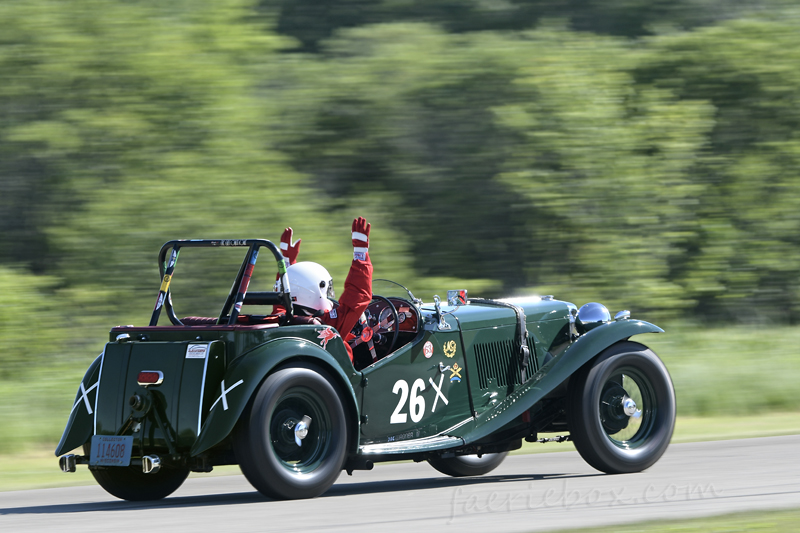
[538, 492]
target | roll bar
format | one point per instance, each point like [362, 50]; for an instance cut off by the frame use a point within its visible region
[238, 294]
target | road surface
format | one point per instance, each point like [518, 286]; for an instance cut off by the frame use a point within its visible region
[538, 492]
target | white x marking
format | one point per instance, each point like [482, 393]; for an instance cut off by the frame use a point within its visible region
[438, 392]
[224, 392]
[84, 397]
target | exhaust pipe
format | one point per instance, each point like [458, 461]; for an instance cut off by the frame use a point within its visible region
[67, 463]
[151, 464]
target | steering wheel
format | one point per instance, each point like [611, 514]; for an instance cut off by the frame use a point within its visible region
[378, 325]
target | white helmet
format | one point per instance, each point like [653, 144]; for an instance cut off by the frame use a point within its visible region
[311, 286]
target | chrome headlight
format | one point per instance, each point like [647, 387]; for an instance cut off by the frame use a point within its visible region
[590, 316]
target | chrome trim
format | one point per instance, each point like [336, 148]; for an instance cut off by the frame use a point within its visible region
[622, 315]
[301, 430]
[67, 463]
[202, 390]
[156, 384]
[427, 443]
[97, 392]
[590, 316]
[151, 464]
[123, 337]
[442, 323]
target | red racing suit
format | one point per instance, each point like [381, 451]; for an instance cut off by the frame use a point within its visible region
[355, 298]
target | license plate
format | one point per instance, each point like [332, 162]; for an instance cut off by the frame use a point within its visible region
[110, 450]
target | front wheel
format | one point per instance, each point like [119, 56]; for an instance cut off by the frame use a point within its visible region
[467, 465]
[130, 483]
[621, 410]
[291, 442]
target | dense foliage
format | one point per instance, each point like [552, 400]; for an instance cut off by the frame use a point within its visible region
[643, 154]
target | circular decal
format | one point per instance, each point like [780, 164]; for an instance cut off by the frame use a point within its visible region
[428, 349]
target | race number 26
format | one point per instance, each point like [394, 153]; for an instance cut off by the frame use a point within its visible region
[416, 403]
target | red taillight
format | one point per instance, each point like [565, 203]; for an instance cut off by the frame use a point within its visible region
[150, 377]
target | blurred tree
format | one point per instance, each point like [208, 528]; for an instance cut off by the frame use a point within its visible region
[741, 258]
[531, 160]
[312, 22]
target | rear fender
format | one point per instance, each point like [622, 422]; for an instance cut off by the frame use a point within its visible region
[583, 350]
[246, 373]
[80, 425]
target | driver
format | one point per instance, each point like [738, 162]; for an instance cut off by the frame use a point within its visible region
[311, 285]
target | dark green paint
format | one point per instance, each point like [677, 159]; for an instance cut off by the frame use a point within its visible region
[558, 370]
[409, 365]
[481, 339]
[80, 424]
[254, 366]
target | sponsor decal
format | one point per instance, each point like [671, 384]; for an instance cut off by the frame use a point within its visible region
[326, 335]
[196, 351]
[428, 349]
[449, 348]
[359, 256]
[333, 314]
[455, 373]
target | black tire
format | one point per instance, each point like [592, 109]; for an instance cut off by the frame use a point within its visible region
[130, 483]
[264, 438]
[606, 437]
[467, 465]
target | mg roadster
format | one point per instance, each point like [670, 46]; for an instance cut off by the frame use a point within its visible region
[457, 382]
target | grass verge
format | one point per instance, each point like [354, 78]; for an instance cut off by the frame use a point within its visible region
[785, 521]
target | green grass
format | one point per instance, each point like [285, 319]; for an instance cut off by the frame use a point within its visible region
[730, 371]
[759, 522]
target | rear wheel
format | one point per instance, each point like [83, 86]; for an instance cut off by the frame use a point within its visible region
[130, 483]
[292, 440]
[467, 465]
[621, 410]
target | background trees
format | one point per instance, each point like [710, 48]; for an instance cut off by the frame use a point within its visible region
[637, 153]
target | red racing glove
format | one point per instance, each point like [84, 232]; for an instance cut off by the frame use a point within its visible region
[289, 249]
[360, 239]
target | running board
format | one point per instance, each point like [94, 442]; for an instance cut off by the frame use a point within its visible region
[438, 442]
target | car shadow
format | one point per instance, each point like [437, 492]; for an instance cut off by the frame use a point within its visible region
[238, 498]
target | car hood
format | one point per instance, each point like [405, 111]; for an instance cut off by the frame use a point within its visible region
[480, 315]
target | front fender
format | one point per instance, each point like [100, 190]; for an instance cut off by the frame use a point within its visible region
[589, 345]
[583, 350]
[246, 373]
[80, 425]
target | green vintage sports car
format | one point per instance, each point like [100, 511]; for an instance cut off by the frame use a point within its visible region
[457, 383]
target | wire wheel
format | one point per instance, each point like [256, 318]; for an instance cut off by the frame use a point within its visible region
[295, 405]
[621, 409]
[291, 440]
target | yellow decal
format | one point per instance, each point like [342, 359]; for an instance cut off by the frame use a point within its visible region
[449, 348]
[165, 283]
[455, 373]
